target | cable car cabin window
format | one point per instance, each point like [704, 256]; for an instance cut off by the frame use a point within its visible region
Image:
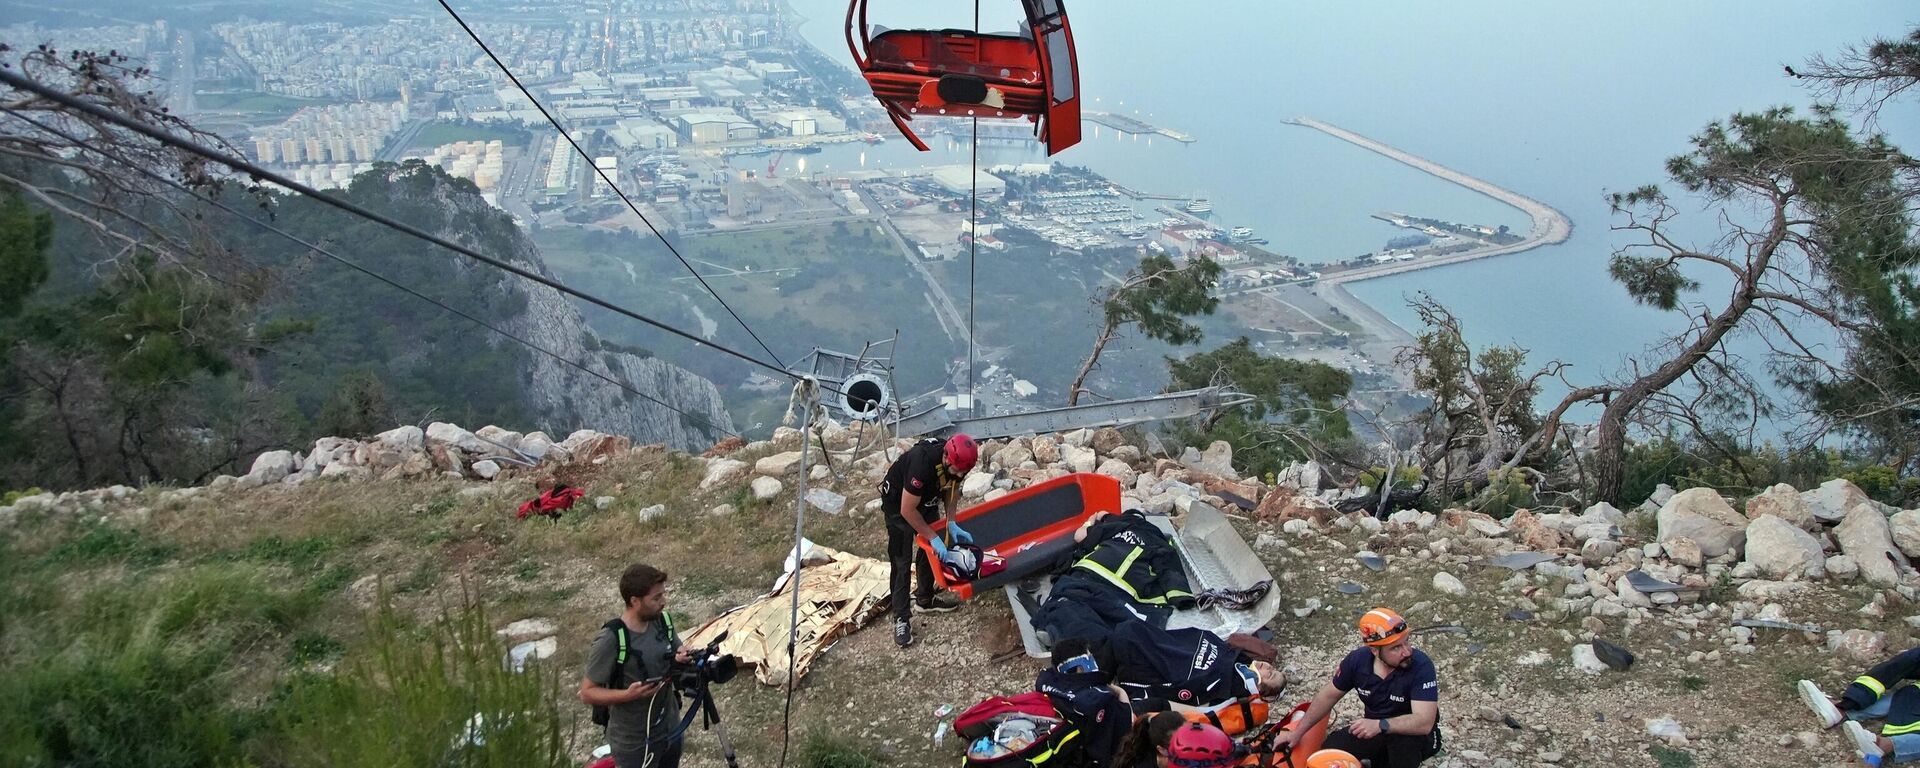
[1060, 65]
[995, 57]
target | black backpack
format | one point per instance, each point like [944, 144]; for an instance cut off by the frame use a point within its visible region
[616, 679]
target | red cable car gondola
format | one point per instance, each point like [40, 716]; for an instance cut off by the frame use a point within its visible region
[958, 73]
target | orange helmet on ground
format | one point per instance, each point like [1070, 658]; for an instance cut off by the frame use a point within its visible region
[1333, 758]
[1382, 627]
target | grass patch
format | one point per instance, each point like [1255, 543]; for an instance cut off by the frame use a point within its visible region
[1693, 684]
[1668, 757]
[821, 751]
[251, 102]
[106, 543]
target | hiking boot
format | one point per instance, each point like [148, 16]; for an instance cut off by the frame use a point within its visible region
[1864, 742]
[902, 633]
[1822, 706]
[941, 602]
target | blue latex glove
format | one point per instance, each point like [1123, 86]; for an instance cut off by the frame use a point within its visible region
[939, 548]
[960, 535]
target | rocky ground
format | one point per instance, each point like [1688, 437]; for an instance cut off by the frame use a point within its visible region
[1524, 617]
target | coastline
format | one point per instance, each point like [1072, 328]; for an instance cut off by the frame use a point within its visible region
[1549, 227]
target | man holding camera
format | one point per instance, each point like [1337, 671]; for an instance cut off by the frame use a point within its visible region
[629, 675]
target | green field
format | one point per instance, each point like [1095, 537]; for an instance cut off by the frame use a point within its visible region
[436, 134]
[251, 102]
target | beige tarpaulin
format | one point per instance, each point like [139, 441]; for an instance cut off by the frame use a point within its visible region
[839, 593]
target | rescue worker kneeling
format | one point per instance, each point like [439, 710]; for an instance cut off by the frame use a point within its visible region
[1401, 692]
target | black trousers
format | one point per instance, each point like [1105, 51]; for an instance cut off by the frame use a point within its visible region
[1387, 751]
[907, 561]
[657, 754]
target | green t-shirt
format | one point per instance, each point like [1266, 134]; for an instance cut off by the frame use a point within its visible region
[649, 655]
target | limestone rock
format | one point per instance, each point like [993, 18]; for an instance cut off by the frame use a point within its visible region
[1045, 450]
[1865, 536]
[654, 512]
[1118, 470]
[1126, 453]
[1590, 531]
[527, 629]
[1842, 567]
[766, 488]
[1685, 552]
[1781, 501]
[1079, 438]
[1781, 550]
[1596, 552]
[721, 471]
[1585, 660]
[271, 467]
[1012, 456]
[1833, 500]
[833, 503]
[602, 502]
[539, 447]
[1906, 531]
[778, 465]
[506, 438]
[1286, 504]
[1308, 476]
[1078, 458]
[407, 439]
[1533, 534]
[452, 435]
[486, 469]
[726, 446]
[1105, 439]
[1858, 645]
[1217, 459]
[1603, 513]
[1449, 584]
[976, 485]
[587, 446]
[1701, 515]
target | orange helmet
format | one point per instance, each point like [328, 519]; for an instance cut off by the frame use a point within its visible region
[1382, 627]
[1333, 758]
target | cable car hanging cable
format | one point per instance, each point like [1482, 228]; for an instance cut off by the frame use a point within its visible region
[582, 151]
[693, 420]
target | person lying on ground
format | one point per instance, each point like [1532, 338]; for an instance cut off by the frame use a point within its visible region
[1221, 681]
[1885, 693]
[1122, 569]
[1401, 693]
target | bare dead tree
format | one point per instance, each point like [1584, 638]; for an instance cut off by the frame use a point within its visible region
[129, 213]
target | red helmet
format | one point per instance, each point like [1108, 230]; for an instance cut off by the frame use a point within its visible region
[962, 453]
[1199, 745]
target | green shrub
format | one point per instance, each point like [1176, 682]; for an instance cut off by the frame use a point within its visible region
[1507, 491]
[433, 695]
[138, 672]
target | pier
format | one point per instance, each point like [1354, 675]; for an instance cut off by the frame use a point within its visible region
[1126, 124]
[1549, 225]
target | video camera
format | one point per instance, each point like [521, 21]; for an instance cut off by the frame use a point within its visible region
[705, 666]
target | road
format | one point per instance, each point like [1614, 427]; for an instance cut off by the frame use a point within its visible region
[401, 141]
[951, 319]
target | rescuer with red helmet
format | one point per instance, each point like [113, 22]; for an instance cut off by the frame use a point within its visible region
[919, 482]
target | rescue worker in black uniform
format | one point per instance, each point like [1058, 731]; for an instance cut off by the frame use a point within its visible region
[922, 479]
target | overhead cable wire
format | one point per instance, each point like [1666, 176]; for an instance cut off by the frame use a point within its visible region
[601, 172]
[694, 420]
[243, 165]
[973, 237]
